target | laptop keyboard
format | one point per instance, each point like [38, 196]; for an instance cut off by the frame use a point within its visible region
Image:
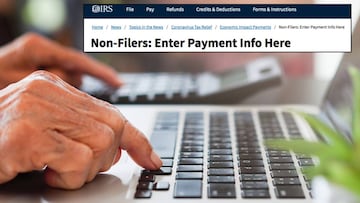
[151, 86]
[225, 169]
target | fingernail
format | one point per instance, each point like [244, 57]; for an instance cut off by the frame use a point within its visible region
[156, 160]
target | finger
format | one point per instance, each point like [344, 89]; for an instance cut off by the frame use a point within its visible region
[74, 78]
[47, 53]
[80, 62]
[138, 147]
[12, 76]
[117, 157]
[70, 168]
[112, 160]
[68, 160]
[101, 140]
[5, 176]
[97, 136]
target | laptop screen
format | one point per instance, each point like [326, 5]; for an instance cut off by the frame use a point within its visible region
[337, 104]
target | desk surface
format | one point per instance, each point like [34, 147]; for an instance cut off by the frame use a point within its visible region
[292, 91]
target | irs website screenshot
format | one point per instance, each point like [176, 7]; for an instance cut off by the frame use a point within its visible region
[217, 28]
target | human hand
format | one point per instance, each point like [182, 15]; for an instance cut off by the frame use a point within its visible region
[32, 52]
[47, 123]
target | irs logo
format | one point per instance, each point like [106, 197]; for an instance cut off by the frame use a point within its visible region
[102, 8]
[95, 8]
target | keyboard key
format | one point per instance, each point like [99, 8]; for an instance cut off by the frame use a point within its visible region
[247, 144]
[220, 132]
[274, 151]
[139, 194]
[246, 153]
[190, 161]
[250, 156]
[219, 190]
[220, 146]
[286, 181]
[167, 162]
[220, 164]
[197, 136]
[147, 178]
[253, 140]
[255, 193]
[280, 160]
[221, 179]
[254, 185]
[164, 126]
[282, 166]
[192, 143]
[191, 155]
[219, 140]
[253, 149]
[144, 186]
[161, 185]
[308, 185]
[161, 171]
[220, 158]
[220, 151]
[302, 156]
[193, 133]
[193, 129]
[192, 149]
[307, 179]
[278, 154]
[289, 191]
[248, 162]
[163, 143]
[306, 162]
[252, 170]
[253, 177]
[249, 151]
[246, 133]
[188, 189]
[284, 173]
[273, 136]
[189, 175]
[220, 171]
[190, 168]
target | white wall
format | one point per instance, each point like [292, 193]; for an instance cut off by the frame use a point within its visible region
[326, 63]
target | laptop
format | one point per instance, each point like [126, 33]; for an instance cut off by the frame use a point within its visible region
[187, 88]
[210, 153]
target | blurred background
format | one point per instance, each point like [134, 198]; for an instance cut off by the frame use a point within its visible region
[62, 21]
